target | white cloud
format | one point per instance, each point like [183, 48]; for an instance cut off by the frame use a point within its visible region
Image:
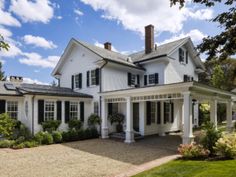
[33, 11]
[39, 42]
[5, 32]
[195, 34]
[33, 81]
[135, 15]
[202, 14]
[6, 17]
[34, 59]
[78, 12]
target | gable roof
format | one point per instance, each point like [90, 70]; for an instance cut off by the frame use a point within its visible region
[20, 89]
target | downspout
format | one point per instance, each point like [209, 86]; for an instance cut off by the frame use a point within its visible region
[33, 115]
[100, 90]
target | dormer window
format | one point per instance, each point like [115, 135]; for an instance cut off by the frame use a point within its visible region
[133, 80]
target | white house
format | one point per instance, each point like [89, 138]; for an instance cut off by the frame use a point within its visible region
[156, 89]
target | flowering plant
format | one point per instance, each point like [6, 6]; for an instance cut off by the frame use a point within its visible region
[193, 151]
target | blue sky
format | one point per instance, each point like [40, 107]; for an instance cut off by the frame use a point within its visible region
[38, 31]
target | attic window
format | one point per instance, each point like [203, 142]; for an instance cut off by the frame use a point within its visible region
[181, 55]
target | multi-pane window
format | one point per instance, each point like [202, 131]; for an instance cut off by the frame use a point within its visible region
[73, 110]
[167, 112]
[12, 109]
[153, 112]
[96, 110]
[93, 77]
[181, 55]
[49, 110]
[77, 81]
[151, 79]
[133, 79]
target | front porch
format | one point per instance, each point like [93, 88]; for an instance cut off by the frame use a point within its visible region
[163, 109]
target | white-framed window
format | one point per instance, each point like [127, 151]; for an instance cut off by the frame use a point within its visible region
[12, 109]
[96, 108]
[26, 108]
[153, 112]
[181, 55]
[167, 112]
[133, 76]
[73, 110]
[77, 81]
[93, 77]
[151, 78]
[49, 110]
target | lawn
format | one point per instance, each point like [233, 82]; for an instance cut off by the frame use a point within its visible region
[181, 168]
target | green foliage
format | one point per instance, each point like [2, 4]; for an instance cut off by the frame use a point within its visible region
[6, 143]
[57, 136]
[31, 144]
[224, 43]
[211, 137]
[7, 125]
[51, 125]
[94, 120]
[43, 138]
[18, 146]
[193, 151]
[204, 113]
[116, 118]
[217, 77]
[74, 124]
[20, 130]
[3, 44]
[226, 146]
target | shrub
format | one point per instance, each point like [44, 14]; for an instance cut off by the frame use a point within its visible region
[6, 143]
[210, 138]
[51, 125]
[226, 146]
[20, 140]
[94, 120]
[7, 125]
[74, 124]
[57, 136]
[43, 138]
[193, 151]
[30, 144]
[21, 130]
[18, 146]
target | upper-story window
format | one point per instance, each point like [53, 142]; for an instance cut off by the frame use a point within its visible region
[93, 77]
[183, 56]
[12, 109]
[49, 111]
[188, 78]
[78, 80]
[151, 79]
[133, 80]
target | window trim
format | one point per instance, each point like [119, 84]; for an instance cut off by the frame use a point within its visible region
[54, 111]
[92, 78]
[76, 112]
[96, 107]
[151, 75]
[10, 112]
[76, 81]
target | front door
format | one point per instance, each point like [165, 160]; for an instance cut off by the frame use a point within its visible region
[136, 116]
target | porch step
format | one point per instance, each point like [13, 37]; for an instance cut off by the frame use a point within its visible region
[121, 135]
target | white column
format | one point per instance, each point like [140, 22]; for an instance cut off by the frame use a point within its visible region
[229, 116]
[188, 125]
[104, 119]
[213, 112]
[129, 133]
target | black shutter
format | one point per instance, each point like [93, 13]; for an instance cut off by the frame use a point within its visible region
[156, 78]
[185, 78]
[138, 80]
[165, 109]
[72, 81]
[180, 55]
[82, 111]
[2, 106]
[88, 78]
[148, 113]
[67, 111]
[80, 80]
[97, 76]
[145, 79]
[129, 79]
[109, 109]
[186, 57]
[59, 110]
[158, 112]
[172, 112]
[40, 111]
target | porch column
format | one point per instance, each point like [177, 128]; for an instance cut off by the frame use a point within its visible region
[129, 133]
[104, 119]
[229, 115]
[213, 112]
[188, 125]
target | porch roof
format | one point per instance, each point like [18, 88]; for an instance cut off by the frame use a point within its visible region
[174, 88]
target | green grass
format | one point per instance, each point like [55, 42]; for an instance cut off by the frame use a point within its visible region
[184, 168]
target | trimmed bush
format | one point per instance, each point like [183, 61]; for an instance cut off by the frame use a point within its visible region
[21, 131]
[210, 138]
[31, 144]
[7, 125]
[6, 143]
[75, 124]
[18, 146]
[193, 151]
[57, 136]
[226, 146]
[94, 120]
[44, 138]
[51, 125]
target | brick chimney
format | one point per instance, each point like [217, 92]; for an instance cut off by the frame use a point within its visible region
[149, 38]
[107, 46]
[16, 79]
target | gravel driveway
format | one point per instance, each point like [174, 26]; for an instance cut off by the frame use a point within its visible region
[95, 158]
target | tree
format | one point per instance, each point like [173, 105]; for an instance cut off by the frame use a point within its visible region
[223, 44]
[3, 44]
[217, 77]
